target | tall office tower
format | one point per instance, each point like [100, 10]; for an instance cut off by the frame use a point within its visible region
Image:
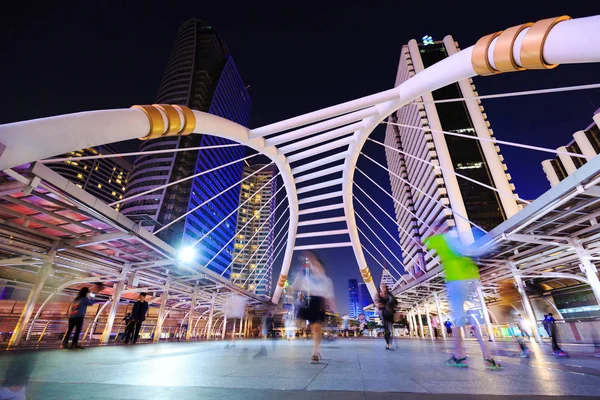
[423, 190]
[365, 300]
[253, 250]
[354, 308]
[387, 279]
[104, 178]
[586, 142]
[200, 74]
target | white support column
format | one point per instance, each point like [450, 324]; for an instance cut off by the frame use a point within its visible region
[590, 270]
[210, 318]
[40, 280]
[414, 325]
[420, 320]
[241, 330]
[527, 306]
[116, 298]
[162, 311]
[224, 331]
[441, 147]
[233, 330]
[438, 308]
[486, 314]
[428, 320]
[188, 333]
[492, 159]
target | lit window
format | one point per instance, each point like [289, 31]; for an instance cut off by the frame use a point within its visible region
[99, 186]
[114, 193]
[120, 196]
[80, 176]
[96, 168]
[74, 163]
[114, 168]
[80, 186]
[110, 180]
[118, 181]
[123, 188]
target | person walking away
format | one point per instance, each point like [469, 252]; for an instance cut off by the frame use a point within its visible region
[435, 324]
[462, 281]
[546, 324]
[319, 297]
[138, 316]
[448, 326]
[78, 309]
[556, 350]
[386, 305]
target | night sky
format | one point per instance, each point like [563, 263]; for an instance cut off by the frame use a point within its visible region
[70, 56]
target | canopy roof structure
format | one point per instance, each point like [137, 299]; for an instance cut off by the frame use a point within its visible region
[316, 156]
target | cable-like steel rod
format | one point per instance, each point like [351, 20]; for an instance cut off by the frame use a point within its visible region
[262, 278]
[234, 211]
[382, 266]
[389, 234]
[126, 199]
[209, 200]
[384, 257]
[516, 94]
[492, 140]
[386, 214]
[426, 195]
[136, 153]
[391, 197]
[511, 195]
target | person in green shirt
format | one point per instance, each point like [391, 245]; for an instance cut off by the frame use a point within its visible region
[462, 280]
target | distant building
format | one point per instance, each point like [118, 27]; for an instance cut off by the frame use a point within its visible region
[253, 250]
[354, 306]
[585, 142]
[104, 178]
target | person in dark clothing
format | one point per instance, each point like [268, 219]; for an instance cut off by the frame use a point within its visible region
[386, 305]
[78, 309]
[448, 326]
[138, 315]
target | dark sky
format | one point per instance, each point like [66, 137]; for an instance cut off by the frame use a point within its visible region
[69, 56]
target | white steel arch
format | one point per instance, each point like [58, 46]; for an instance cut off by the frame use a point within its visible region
[339, 131]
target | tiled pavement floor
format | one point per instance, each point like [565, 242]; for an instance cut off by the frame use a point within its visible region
[255, 369]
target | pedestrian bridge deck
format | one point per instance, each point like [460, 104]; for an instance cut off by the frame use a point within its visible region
[351, 368]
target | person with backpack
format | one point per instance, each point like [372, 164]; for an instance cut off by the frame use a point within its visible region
[78, 309]
[386, 303]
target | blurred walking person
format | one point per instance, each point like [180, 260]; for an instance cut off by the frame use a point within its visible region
[462, 281]
[448, 326]
[386, 303]
[317, 296]
[78, 309]
[138, 315]
[435, 324]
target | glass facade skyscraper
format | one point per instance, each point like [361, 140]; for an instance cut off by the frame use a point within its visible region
[200, 74]
[253, 251]
[354, 306]
[425, 194]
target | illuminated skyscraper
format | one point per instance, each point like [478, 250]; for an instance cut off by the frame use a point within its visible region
[253, 250]
[104, 178]
[354, 307]
[200, 74]
[423, 190]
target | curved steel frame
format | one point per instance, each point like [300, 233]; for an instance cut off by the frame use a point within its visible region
[542, 45]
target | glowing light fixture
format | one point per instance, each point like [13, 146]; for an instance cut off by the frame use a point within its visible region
[427, 40]
[187, 254]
